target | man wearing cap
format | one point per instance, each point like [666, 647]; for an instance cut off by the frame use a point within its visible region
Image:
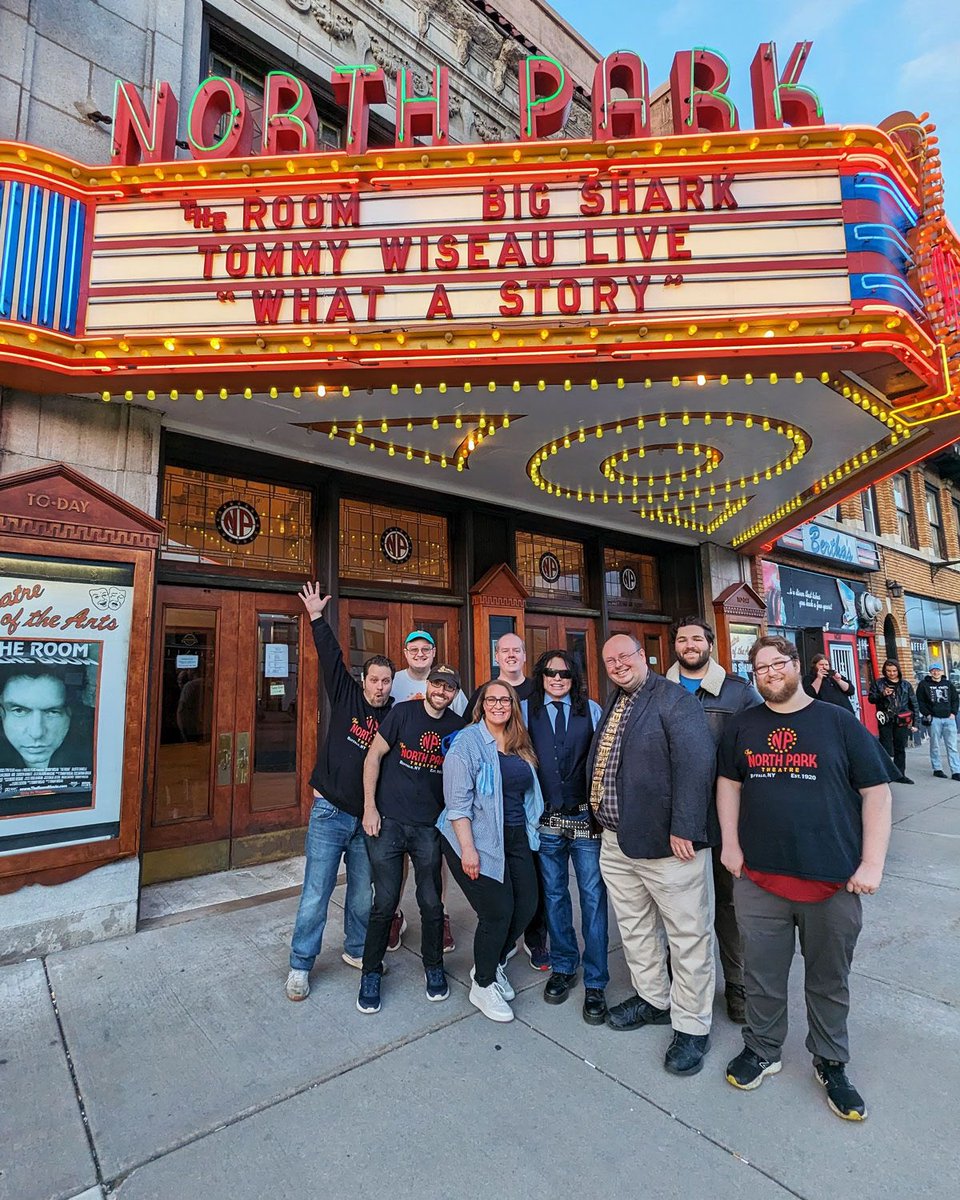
[420, 651]
[939, 702]
[403, 797]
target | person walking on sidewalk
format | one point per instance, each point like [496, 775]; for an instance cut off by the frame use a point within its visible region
[403, 796]
[897, 713]
[721, 696]
[804, 802]
[561, 720]
[939, 702]
[651, 768]
[335, 831]
[493, 806]
[420, 651]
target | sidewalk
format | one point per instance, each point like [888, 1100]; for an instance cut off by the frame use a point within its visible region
[170, 1066]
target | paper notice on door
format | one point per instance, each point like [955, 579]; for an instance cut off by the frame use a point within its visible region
[276, 660]
[277, 689]
[188, 662]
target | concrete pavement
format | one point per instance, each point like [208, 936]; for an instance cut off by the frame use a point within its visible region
[170, 1066]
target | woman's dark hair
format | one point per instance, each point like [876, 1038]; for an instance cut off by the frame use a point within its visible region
[818, 658]
[892, 662]
[578, 689]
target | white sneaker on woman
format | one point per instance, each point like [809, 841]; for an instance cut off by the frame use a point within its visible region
[490, 1001]
[504, 984]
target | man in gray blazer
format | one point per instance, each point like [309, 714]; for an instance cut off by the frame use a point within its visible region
[651, 768]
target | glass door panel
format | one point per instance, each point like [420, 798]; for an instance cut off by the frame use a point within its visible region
[274, 782]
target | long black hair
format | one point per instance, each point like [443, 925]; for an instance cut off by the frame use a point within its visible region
[578, 689]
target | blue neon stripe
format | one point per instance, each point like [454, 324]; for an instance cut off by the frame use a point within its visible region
[71, 270]
[51, 257]
[853, 187]
[885, 287]
[31, 251]
[11, 236]
[871, 235]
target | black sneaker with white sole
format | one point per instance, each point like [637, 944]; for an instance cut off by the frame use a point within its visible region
[437, 986]
[842, 1096]
[748, 1070]
[368, 999]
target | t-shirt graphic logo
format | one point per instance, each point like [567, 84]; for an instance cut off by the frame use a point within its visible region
[363, 735]
[430, 742]
[782, 739]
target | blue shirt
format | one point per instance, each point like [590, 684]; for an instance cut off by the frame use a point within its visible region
[691, 684]
[595, 710]
[515, 779]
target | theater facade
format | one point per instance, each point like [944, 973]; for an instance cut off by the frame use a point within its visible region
[551, 384]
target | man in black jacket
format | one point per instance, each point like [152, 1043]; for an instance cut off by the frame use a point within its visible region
[651, 768]
[336, 830]
[938, 701]
[721, 695]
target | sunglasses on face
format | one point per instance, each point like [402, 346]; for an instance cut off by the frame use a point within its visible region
[551, 673]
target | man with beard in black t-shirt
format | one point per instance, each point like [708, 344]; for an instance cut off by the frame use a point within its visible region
[804, 802]
[403, 797]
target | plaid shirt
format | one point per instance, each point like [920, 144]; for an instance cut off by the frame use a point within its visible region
[603, 793]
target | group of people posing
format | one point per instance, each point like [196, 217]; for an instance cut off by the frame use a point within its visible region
[707, 814]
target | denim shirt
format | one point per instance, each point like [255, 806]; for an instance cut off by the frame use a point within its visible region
[472, 788]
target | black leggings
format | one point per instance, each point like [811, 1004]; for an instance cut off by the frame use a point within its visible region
[503, 909]
[894, 739]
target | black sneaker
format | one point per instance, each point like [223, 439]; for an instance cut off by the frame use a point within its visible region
[368, 999]
[685, 1055]
[905, 779]
[939, 775]
[842, 1096]
[956, 778]
[437, 986]
[748, 1070]
[635, 1012]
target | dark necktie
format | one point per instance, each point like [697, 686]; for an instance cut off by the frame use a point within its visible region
[559, 728]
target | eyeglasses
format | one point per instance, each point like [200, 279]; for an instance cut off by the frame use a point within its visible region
[497, 701]
[419, 651]
[447, 687]
[553, 674]
[778, 667]
[622, 661]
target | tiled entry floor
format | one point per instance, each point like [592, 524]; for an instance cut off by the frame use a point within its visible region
[184, 899]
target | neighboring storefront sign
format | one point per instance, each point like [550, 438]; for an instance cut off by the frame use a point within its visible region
[63, 682]
[805, 600]
[833, 544]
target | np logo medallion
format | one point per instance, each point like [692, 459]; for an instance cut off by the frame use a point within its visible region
[396, 545]
[237, 522]
[549, 567]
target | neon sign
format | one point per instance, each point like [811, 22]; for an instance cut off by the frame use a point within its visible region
[220, 125]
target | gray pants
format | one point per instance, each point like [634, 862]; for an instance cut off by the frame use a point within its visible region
[725, 924]
[828, 934]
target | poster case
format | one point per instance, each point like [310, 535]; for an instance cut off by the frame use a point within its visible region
[65, 629]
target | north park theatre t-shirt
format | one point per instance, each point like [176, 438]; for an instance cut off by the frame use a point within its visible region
[800, 803]
[410, 787]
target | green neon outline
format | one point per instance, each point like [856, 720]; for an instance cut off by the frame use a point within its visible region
[720, 95]
[233, 87]
[790, 86]
[532, 58]
[606, 89]
[289, 114]
[403, 99]
[120, 83]
[353, 69]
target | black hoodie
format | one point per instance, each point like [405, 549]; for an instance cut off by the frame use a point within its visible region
[338, 775]
[937, 699]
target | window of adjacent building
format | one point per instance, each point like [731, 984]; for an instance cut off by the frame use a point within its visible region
[955, 506]
[935, 519]
[631, 580]
[549, 567]
[205, 514]
[901, 500]
[935, 620]
[393, 545]
[871, 515]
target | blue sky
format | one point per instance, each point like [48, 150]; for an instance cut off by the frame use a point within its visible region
[870, 58]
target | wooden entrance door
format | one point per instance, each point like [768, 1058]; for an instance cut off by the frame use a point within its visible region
[654, 639]
[576, 635]
[233, 743]
[369, 627]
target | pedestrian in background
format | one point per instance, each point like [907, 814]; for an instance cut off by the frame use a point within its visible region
[823, 683]
[939, 701]
[897, 713]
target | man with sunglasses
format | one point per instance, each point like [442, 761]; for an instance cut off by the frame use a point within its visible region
[803, 793]
[651, 768]
[721, 695]
[403, 797]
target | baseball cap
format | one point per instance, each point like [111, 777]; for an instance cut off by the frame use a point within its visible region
[419, 633]
[444, 674]
[936, 667]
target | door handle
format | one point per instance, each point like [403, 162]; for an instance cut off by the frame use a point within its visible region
[224, 759]
[243, 758]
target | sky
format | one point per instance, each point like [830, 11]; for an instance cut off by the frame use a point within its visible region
[870, 58]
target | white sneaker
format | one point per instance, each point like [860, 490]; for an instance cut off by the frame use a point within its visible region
[490, 1001]
[352, 961]
[504, 984]
[298, 985]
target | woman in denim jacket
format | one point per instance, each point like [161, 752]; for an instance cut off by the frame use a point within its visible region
[489, 827]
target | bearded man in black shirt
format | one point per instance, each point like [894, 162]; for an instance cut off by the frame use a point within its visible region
[803, 797]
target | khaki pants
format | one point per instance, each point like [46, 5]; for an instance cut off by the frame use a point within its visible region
[653, 895]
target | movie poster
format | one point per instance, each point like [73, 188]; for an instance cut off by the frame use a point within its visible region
[64, 644]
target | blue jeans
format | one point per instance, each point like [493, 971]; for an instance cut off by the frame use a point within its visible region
[556, 852]
[946, 728]
[331, 835]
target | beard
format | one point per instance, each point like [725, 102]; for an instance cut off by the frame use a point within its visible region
[778, 693]
[693, 661]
